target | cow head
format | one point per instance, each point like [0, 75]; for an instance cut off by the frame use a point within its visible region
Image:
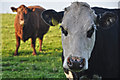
[78, 27]
[22, 12]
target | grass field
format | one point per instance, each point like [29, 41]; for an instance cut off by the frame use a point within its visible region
[47, 64]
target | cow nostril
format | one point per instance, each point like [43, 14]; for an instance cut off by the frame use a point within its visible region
[81, 61]
[69, 61]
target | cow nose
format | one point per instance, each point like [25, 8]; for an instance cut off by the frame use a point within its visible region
[76, 63]
[21, 19]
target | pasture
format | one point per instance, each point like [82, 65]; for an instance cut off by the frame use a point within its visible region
[47, 64]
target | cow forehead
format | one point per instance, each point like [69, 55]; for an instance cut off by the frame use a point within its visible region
[78, 13]
[21, 8]
[79, 4]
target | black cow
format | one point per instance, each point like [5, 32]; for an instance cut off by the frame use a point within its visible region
[104, 59]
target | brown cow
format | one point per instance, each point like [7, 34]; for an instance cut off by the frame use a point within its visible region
[28, 24]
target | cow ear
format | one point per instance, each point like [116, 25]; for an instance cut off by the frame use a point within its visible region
[106, 20]
[51, 17]
[32, 9]
[14, 9]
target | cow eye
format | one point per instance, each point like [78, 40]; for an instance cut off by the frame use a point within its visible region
[64, 31]
[90, 32]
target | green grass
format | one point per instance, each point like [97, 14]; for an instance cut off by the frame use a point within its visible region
[47, 64]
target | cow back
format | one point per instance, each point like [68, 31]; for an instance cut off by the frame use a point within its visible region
[105, 59]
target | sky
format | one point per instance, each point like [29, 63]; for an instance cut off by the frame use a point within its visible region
[58, 5]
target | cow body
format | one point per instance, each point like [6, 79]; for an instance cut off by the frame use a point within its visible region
[88, 51]
[105, 57]
[28, 24]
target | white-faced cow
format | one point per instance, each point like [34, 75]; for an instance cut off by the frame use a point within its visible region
[28, 24]
[89, 39]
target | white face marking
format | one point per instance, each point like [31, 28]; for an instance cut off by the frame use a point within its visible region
[77, 20]
[21, 22]
[69, 75]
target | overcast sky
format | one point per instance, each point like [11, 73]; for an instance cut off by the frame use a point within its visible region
[58, 5]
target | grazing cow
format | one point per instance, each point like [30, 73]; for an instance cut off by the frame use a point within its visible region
[28, 24]
[90, 40]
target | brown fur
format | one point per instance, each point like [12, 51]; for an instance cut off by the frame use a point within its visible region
[33, 26]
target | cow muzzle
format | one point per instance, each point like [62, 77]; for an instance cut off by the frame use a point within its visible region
[22, 22]
[76, 63]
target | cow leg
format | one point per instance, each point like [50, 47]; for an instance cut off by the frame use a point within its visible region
[33, 45]
[40, 42]
[17, 44]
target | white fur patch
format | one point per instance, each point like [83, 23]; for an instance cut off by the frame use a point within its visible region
[21, 22]
[65, 64]
[86, 64]
[69, 75]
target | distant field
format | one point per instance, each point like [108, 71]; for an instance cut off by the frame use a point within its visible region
[47, 64]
